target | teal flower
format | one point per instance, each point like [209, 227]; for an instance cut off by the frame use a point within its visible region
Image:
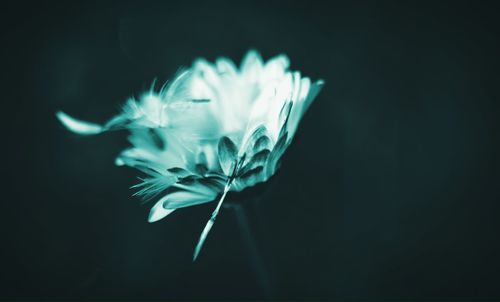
[214, 128]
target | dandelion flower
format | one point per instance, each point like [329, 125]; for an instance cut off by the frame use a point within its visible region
[214, 128]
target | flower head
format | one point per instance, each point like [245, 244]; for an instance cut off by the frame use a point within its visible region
[214, 128]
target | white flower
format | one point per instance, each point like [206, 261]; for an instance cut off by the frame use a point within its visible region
[213, 129]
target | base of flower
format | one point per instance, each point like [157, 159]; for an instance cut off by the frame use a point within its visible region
[252, 194]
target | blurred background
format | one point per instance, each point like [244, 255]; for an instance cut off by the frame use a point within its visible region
[389, 190]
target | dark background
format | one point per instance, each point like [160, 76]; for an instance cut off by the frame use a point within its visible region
[389, 190]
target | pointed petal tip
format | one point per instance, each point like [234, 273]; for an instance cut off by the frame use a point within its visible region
[119, 162]
[78, 126]
[201, 62]
[253, 52]
[158, 212]
[251, 59]
[203, 237]
[320, 82]
[195, 255]
[283, 59]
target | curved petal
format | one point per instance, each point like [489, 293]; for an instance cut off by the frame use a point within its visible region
[251, 65]
[307, 95]
[228, 153]
[158, 212]
[78, 126]
[313, 92]
[275, 68]
[189, 195]
[226, 67]
[206, 71]
[298, 103]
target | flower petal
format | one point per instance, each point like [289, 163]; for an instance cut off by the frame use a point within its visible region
[207, 72]
[313, 92]
[275, 68]
[189, 195]
[258, 159]
[227, 155]
[78, 126]
[158, 212]
[251, 177]
[226, 67]
[261, 144]
[307, 94]
[251, 137]
[154, 185]
[251, 66]
[276, 154]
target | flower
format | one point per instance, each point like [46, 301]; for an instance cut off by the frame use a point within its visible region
[213, 129]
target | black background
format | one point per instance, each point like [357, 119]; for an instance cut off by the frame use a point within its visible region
[389, 190]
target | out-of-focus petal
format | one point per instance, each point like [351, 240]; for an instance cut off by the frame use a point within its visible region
[226, 67]
[251, 66]
[313, 92]
[207, 72]
[78, 126]
[298, 103]
[308, 94]
[275, 68]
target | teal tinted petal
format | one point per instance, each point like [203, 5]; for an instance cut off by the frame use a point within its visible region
[158, 212]
[252, 62]
[259, 159]
[308, 93]
[154, 185]
[226, 67]
[189, 195]
[78, 126]
[228, 154]
[261, 143]
[276, 154]
[275, 68]
[313, 92]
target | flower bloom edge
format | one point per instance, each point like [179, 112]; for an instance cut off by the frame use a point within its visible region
[214, 128]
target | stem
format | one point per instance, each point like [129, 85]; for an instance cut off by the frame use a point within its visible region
[252, 250]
